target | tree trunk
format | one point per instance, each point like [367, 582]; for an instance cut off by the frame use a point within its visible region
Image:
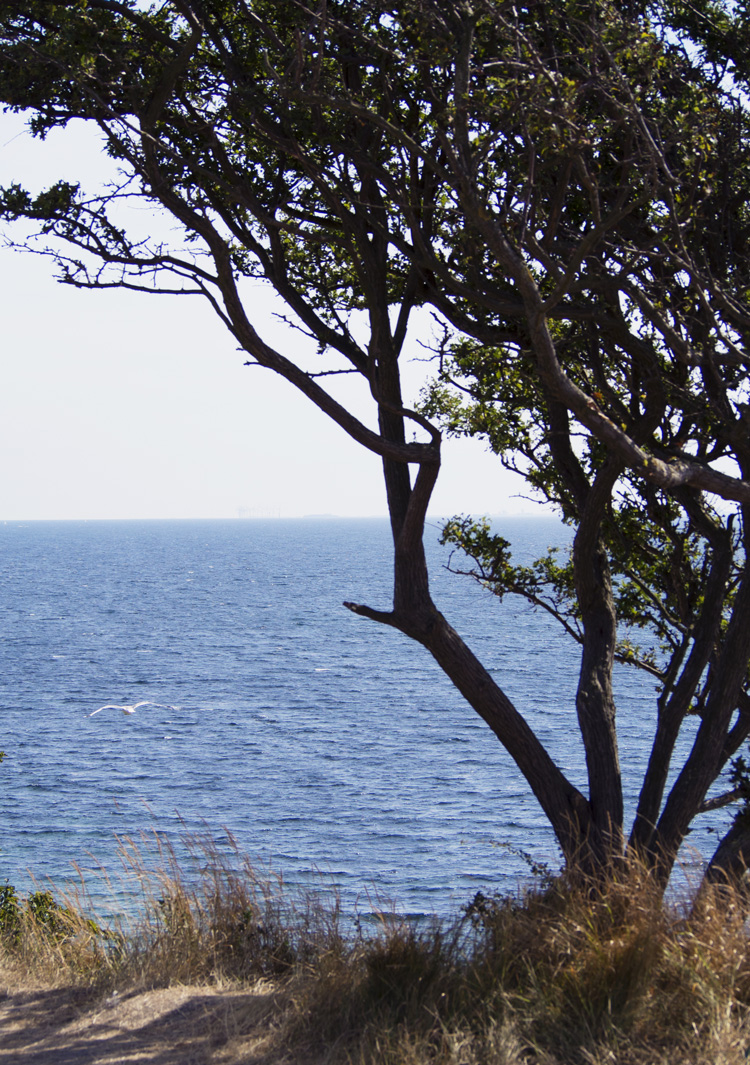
[731, 859]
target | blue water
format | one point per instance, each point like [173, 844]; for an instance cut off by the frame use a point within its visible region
[328, 745]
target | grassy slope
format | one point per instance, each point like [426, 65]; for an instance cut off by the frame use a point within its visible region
[231, 968]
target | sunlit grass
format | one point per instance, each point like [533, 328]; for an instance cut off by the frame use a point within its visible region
[566, 973]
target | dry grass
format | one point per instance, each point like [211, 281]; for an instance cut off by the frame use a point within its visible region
[561, 976]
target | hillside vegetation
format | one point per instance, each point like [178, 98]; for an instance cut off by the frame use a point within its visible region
[224, 966]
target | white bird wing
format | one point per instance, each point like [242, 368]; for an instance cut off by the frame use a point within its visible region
[126, 709]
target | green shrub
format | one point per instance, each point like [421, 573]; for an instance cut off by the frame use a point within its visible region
[10, 916]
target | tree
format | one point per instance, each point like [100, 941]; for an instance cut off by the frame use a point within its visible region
[565, 188]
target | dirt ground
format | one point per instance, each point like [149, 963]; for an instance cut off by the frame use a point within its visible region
[168, 1026]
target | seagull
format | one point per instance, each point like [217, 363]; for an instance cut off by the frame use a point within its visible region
[126, 709]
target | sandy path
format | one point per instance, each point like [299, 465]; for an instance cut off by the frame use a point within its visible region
[168, 1026]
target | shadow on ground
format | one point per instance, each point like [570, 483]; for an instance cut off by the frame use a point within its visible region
[167, 1026]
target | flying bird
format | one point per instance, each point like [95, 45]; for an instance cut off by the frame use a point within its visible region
[126, 709]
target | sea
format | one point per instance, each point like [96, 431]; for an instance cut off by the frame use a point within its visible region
[329, 749]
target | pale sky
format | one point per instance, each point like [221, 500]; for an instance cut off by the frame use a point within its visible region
[122, 405]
